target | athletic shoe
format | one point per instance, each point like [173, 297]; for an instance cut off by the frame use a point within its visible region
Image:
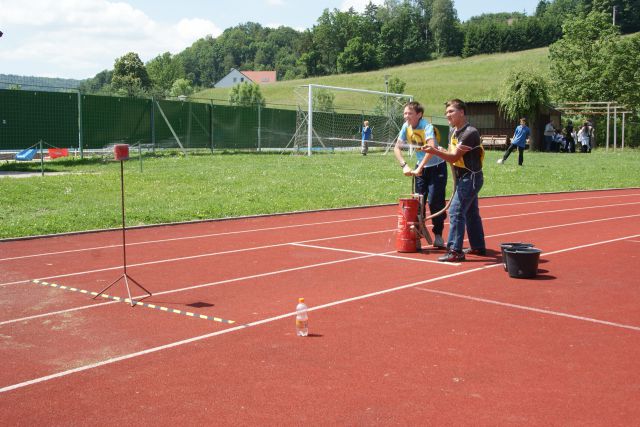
[438, 242]
[452, 256]
[475, 251]
[500, 161]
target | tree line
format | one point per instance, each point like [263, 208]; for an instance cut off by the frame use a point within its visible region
[591, 62]
[396, 33]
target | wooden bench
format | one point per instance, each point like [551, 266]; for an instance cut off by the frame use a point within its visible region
[499, 142]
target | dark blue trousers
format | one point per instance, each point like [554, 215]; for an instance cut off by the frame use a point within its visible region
[433, 185]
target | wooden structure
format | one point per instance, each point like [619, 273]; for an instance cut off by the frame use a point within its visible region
[498, 142]
[600, 108]
[494, 127]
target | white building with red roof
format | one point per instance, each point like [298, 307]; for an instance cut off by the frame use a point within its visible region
[235, 77]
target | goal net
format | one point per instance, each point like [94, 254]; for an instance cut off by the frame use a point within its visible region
[331, 118]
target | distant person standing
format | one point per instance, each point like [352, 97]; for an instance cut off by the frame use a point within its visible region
[549, 131]
[584, 136]
[568, 134]
[518, 141]
[592, 135]
[366, 137]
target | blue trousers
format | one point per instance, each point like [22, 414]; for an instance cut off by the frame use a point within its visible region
[433, 184]
[464, 213]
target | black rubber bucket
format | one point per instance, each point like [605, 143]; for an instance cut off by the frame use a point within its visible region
[504, 246]
[522, 263]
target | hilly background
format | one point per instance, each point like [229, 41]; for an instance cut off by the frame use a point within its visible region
[8, 81]
[477, 78]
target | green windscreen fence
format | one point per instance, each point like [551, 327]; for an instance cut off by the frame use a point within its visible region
[186, 124]
[95, 122]
[108, 120]
[28, 117]
[252, 128]
[278, 126]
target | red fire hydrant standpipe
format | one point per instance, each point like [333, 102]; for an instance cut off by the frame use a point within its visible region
[411, 224]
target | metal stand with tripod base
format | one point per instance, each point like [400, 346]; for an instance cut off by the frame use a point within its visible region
[121, 152]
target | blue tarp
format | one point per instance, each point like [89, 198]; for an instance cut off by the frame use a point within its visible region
[27, 154]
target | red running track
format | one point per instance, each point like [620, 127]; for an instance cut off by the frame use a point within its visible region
[395, 338]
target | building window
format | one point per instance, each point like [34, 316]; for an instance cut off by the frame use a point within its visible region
[242, 79]
[235, 79]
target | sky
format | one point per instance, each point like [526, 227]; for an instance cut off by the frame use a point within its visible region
[77, 39]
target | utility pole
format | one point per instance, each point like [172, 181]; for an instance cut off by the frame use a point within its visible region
[614, 15]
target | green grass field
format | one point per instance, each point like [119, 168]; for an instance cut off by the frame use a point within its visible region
[175, 188]
[86, 195]
[432, 83]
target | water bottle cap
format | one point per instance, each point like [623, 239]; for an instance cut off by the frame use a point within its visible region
[300, 299]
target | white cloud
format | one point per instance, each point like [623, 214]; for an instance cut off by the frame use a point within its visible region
[189, 30]
[79, 38]
[275, 2]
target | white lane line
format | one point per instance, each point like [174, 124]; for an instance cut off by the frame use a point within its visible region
[535, 202]
[185, 258]
[303, 241]
[561, 210]
[14, 283]
[314, 224]
[588, 245]
[308, 266]
[200, 236]
[317, 240]
[282, 316]
[271, 273]
[53, 313]
[563, 225]
[327, 248]
[204, 285]
[233, 329]
[533, 309]
[541, 310]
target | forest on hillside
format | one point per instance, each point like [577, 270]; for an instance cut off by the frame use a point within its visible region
[396, 33]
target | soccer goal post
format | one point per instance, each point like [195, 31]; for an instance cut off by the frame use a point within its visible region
[331, 118]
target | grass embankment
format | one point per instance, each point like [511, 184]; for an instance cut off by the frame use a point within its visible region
[173, 189]
[477, 78]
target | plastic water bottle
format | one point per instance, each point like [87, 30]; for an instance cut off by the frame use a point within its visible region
[302, 319]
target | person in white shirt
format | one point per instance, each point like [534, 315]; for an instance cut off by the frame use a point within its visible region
[549, 131]
[584, 136]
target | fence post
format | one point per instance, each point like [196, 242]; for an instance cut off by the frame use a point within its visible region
[622, 148]
[188, 123]
[41, 159]
[80, 129]
[211, 124]
[259, 126]
[153, 125]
